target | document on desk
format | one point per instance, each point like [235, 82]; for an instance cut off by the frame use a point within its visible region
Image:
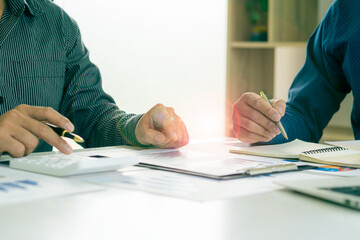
[18, 186]
[217, 166]
[193, 187]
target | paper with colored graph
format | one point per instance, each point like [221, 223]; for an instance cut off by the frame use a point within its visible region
[18, 186]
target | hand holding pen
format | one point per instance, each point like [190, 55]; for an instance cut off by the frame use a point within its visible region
[278, 123]
[257, 120]
[22, 127]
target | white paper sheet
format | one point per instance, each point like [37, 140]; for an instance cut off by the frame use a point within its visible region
[213, 160]
[191, 187]
[19, 186]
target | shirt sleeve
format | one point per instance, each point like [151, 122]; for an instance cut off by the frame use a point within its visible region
[320, 85]
[94, 113]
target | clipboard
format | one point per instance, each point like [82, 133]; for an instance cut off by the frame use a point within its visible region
[251, 172]
[215, 163]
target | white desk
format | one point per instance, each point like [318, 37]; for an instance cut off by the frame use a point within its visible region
[128, 214]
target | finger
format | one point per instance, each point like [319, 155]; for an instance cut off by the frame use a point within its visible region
[152, 137]
[29, 140]
[158, 114]
[259, 104]
[44, 132]
[47, 114]
[177, 143]
[146, 134]
[258, 118]
[12, 146]
[183, 137]
[179, 133]
[250, 137]
[279, 105]
[165, 120]
[252, 126]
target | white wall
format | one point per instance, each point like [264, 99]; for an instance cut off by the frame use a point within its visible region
[173, 52]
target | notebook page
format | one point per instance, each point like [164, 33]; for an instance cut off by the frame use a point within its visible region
[340, 157]
[290, 150]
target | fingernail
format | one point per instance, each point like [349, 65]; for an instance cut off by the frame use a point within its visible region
[276, 117]
[159, 139]
[69, 127]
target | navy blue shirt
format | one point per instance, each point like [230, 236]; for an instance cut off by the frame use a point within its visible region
[331, 70]
[43, 62]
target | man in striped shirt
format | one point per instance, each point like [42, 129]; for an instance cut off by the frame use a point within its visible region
[46, 75]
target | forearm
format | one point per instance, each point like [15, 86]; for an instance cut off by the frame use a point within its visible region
[113, 128]
[297, 126]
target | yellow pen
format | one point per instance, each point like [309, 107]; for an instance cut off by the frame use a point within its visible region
[64, 133]
[278, 124]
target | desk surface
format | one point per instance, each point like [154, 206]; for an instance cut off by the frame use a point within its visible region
[128, 214]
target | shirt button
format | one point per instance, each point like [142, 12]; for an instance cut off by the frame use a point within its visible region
[1, 100]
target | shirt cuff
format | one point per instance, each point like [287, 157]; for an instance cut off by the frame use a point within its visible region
[129, 130]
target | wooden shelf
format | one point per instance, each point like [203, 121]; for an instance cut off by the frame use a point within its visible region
[272, 65]
[269, 65]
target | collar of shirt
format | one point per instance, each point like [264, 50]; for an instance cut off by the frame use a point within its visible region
[18, 7]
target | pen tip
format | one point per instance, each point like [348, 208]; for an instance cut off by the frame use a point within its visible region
[78, 139]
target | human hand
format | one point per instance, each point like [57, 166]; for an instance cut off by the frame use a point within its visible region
[162, 128]
[254, 119]
[22, 127]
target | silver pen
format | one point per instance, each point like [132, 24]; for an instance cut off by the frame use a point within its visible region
[278, 124]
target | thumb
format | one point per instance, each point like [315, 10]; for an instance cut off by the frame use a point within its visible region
[279, 105]
[159, 118]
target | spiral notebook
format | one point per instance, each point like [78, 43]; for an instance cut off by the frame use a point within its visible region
[338, 156]
[306, 151]
[289, 150]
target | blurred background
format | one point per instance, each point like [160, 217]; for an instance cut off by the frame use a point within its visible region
[181, 54]
[170, 52]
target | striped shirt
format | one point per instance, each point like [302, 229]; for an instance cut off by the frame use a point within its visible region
[45, 63]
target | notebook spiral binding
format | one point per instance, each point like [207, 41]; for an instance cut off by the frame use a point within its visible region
[325, 150]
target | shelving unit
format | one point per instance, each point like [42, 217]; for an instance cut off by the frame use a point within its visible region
[269, 65]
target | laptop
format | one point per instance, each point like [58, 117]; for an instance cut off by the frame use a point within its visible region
[344, 191]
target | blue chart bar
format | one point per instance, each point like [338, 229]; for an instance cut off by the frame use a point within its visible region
[21, 184]
[12, 185]
[28, 182]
